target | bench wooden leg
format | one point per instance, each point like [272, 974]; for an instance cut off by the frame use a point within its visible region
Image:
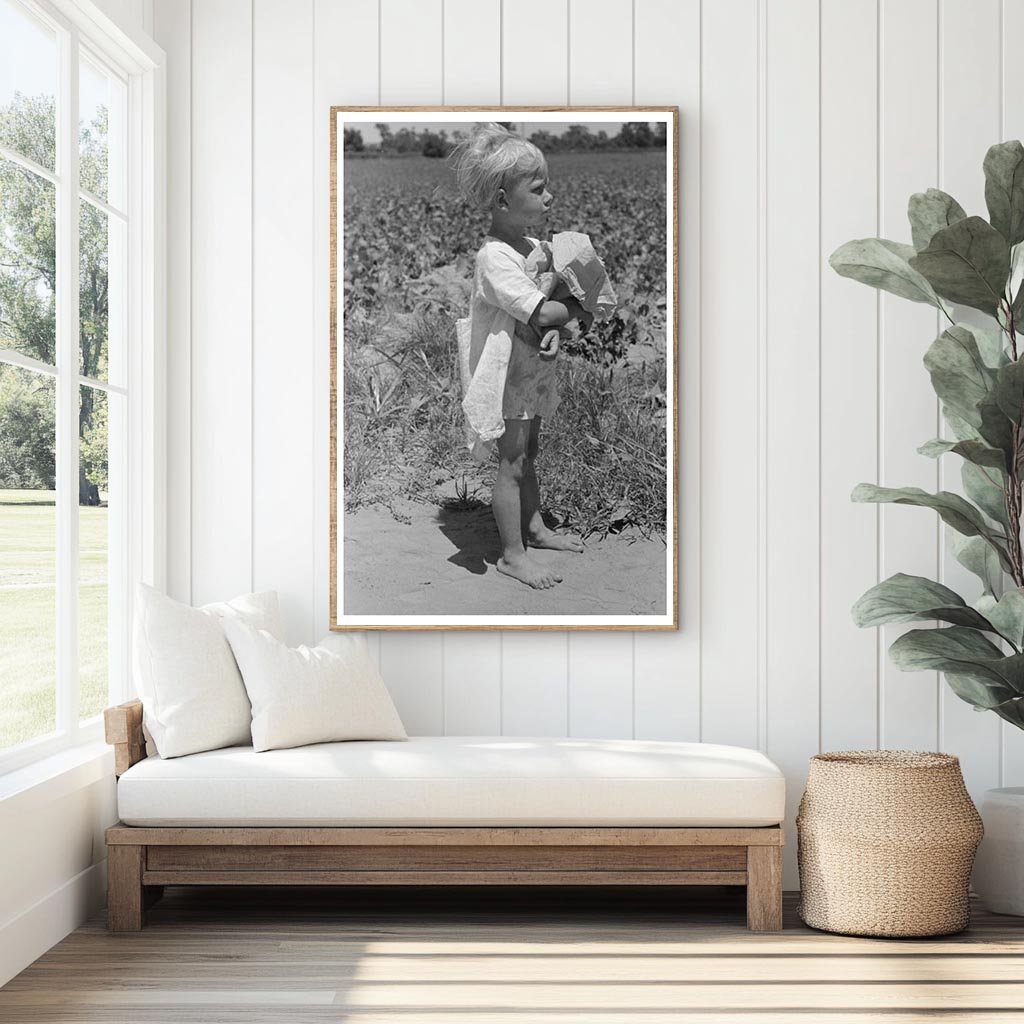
[764, 888]
[125, 897]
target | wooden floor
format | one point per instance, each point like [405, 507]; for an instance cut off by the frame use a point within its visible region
[270, 955]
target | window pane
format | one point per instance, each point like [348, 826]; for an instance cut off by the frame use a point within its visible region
[101, 104]
[28, 545]
[28, 263]
[101, 280]
[28, 85]
[93, 551]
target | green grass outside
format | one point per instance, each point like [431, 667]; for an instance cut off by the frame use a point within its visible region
[28, 614]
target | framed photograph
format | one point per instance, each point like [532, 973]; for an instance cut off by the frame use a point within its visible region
[504, 398]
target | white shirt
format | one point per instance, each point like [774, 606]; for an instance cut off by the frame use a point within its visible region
[503, 292]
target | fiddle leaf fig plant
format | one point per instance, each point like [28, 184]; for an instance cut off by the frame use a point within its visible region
[978, 375]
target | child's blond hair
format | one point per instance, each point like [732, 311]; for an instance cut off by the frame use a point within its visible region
[492, 158]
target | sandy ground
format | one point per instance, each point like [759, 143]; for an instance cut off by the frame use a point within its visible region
[443, 563]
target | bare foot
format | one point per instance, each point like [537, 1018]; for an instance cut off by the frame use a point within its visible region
[524, 569]
[546, 538]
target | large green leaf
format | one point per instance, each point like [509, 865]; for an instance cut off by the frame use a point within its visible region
[973, 451]
[1017, 309]
[902, 598]
[953, 509]
[990, 345]
[1011, 710]
[1015, 285]
[883, 264]
[962, 430]
[985, 487]
[1004, 189]
[1016, 278]
[959, 374]
[963, 651]
[932, 211]
[983, 694]
[979, 557]
[1006, 614]
[996, 427]
[1009, 390]
[967, 263]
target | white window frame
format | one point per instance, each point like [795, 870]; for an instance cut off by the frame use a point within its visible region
[141, 64]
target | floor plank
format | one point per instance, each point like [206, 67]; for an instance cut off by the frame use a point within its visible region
[499, 956]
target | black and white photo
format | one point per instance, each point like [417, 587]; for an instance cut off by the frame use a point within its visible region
[504, 354]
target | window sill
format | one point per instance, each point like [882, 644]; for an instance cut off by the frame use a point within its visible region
[55, 776]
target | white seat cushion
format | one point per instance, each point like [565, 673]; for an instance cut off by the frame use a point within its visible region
[459, 780]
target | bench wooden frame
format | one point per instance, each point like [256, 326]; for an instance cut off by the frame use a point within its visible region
[142, 860]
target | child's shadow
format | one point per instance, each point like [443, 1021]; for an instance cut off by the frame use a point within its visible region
[474, 533]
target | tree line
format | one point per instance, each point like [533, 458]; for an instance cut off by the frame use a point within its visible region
[576, 138]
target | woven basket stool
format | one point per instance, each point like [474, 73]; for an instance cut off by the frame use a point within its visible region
[885, 844]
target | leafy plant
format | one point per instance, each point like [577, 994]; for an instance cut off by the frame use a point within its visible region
[978, 375]
[408, 272]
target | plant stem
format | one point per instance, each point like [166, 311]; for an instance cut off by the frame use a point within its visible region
[1012, 498]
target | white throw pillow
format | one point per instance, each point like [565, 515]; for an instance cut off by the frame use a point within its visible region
[192, 693]
[309, 694]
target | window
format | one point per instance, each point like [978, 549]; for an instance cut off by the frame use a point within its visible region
[78, 262]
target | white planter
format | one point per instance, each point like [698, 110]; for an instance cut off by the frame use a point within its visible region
[998, 877]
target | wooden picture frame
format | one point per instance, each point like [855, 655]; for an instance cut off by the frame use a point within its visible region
[413, 544]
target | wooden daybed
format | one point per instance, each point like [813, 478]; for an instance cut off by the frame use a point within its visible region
[144, 858]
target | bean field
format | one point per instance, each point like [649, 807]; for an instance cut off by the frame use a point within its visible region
[408, 247]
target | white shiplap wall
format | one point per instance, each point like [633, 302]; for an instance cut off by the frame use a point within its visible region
[803, 123]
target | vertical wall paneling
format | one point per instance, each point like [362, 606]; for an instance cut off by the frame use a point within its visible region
[410, 53]
[373, 644]
[172, 29]
[472, 661]
[283, 339]
[849, 368]
[1012, 127]
[221, 370]
[909, 163]
[535, 688]
[411, 73]
[534, 60]
[968, 125]
[601, 684]
[729, 387]
[601, 52]
[600, 668]
[414, 671]
[344, 49]
[472, 52]
[792, 384]
[667, 665]
[472, 684]
[892, 96]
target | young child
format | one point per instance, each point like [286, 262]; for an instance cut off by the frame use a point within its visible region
[509, 342]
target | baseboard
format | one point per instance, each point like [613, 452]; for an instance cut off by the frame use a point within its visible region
[25, 938]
